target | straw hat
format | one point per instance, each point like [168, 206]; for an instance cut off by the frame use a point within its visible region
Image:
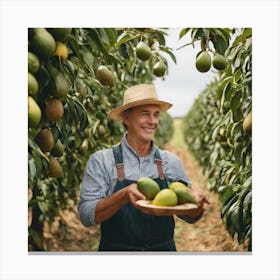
[138, 95]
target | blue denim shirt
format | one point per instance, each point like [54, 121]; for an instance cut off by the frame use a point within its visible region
[100, 175]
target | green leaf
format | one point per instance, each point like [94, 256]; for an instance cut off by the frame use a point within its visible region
[235, 102]
[226, 95]
[220, 45]
[123, 38]
[32, 168]
[112, 35]
[35, 237]
[104, 39]
[183, 32]
[213, 158]
[221, 87]
[168, 51]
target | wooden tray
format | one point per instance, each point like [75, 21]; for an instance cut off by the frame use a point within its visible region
[147, 207]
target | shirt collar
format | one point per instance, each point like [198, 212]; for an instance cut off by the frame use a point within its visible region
[128, 147]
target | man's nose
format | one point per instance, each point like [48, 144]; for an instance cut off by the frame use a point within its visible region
[152, 119]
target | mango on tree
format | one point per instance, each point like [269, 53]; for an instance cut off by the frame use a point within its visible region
[143, 51]
[54, 110]
[42, 43]
[105, 76]
[219, 62]
[34, 113]
[159, 68]
[75, 77]
[203, 62]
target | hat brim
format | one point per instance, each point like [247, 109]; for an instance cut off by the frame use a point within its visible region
[116, 113]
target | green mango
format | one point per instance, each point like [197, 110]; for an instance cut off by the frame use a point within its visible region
[42, 43]
[159, 69]
[58, 149]
[219, 62]
[33, 63]
[143, 51]
[105, 76]
[184, 196]
[148, 187]
[203, 62]
[59, 86]
[34, 113]
[60, 33]
[33, 86]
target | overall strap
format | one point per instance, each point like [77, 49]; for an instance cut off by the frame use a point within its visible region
[117, 150]
[158, 162]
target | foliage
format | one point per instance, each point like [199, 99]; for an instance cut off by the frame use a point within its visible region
[165, 130]
[216, 132]
[70, 74]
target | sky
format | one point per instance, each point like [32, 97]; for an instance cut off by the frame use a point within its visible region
[183, 83]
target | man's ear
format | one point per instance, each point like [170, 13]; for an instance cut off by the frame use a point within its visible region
[125, 120]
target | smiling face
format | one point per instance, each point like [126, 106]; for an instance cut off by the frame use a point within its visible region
[142, 122]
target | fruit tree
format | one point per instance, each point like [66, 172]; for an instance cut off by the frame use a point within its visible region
[75, 76]
[218, 128]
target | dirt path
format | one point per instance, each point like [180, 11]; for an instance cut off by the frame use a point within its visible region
[207, 235]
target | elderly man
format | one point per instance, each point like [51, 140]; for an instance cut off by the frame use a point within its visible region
[109, 190]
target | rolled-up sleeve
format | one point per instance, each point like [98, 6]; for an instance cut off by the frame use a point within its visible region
[93, 188]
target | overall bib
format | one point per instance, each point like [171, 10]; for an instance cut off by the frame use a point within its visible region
[132, 230]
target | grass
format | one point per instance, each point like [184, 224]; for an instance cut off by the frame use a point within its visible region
[177, 140]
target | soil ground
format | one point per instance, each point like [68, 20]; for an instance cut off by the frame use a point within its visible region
[207, 235]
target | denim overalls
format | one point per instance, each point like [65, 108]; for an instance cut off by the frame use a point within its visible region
[132, 230]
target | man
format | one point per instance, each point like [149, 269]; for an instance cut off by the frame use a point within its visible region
[109, 190]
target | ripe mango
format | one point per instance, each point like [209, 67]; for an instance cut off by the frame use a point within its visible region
[45, 140]
[203, 62]
[148, 187]
[55, 169]
[175, 185]
[165, 197]
[143, 51]
[54, 110]
[61, 51]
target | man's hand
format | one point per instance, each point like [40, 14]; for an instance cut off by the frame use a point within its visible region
[133, 194]
[200, 198]
[201, 202]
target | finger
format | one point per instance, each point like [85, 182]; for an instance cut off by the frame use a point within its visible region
[206, 200]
